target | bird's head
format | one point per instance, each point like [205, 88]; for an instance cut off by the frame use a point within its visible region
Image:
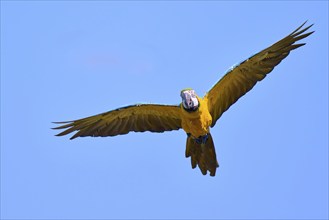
[189, 99]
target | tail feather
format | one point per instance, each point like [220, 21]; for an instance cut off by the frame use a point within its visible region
[203, 155]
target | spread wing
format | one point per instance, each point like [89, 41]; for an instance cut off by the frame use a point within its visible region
[242, 78]
[139, 118]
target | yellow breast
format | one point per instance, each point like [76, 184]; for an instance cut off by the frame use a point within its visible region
[197, 122]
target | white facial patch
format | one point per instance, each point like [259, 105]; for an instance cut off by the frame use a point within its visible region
[189, 99]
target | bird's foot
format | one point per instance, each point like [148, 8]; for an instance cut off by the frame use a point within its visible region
[202, 139]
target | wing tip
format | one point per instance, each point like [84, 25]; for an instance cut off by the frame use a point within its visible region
[65, 133]
[299, 31]
[62, 124]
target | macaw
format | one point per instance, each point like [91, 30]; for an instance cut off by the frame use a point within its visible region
[195, 115]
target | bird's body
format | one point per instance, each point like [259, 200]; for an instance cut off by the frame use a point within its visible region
[195, 115]
[197, 123]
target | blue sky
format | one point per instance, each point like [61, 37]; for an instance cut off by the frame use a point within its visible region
[66, 60]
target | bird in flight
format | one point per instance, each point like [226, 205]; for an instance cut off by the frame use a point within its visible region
[195, 115]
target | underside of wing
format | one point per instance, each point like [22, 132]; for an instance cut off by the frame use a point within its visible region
[242, 78]
[138, 118]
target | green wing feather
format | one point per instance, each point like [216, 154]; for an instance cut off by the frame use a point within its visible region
[138, 118]
[242, 78]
